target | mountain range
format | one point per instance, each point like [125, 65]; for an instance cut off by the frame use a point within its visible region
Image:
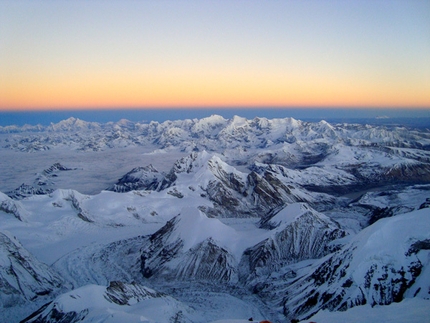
[274, 219]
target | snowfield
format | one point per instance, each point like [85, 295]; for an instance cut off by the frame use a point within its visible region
[214, 220]
[410, 310]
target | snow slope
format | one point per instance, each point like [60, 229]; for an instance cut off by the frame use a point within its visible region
[116, 303]
[386, 262]
[413, 310]
[299, 233]
[25, 282]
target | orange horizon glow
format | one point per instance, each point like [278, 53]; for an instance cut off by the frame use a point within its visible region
[176, 88]
[66, 107]
[199, 92]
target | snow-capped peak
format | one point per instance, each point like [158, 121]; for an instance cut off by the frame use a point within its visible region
[289, 214]
[194, 226]
[116, 303]
[13, 207]
[384, 263]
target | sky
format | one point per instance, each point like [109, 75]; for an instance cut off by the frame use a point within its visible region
[223, 53]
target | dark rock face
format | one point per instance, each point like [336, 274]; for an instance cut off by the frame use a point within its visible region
[42, 184]
[204, 261]
[22, 277]
[56, 316]
[379, 213]
[55, 168]
[309, 236]
[417, 172]
[268, 193]
[418, 246]
[28, 190]
[10, 206]
[160, 250]
[82, 213]
[139, 178]
[350, 277]
[209, 262]
[426, 204]
[121, 293]
[331, 287]
[117, 292]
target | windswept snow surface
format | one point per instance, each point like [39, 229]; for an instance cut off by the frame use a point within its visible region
[116, 303]
[119, 303]
[66, 219]
[215, 220]
[195, 227]
[413, 310]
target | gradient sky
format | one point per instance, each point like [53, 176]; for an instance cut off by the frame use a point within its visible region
[91, 54]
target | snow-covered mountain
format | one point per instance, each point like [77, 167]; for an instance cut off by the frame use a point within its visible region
[191, 247]
[297, 141]
[139, 178]
[12, 207]
[117, 302]
[231, 192]
[42, 184]
[25, 281]
[347, 154]
[386, 262]
[298, 233]
[214, 219]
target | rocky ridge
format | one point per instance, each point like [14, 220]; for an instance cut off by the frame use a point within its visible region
[25, 282]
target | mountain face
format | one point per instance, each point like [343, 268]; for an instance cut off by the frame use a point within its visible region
[42, 184]
[190, 246]
[139, 178]
[232, 192]
[298, 233]
[118, 302]
[193, 247]
[13, 207]
[23, 279]
[386, 262]
[272, 219]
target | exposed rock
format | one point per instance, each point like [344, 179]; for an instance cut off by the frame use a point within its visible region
[207, 261]
[186, 249]
[10, 206]
[139, 178]
[42, 184]
[128, 294]
[379, 266]
[119, 302]
[22, 277]
[299, 233]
